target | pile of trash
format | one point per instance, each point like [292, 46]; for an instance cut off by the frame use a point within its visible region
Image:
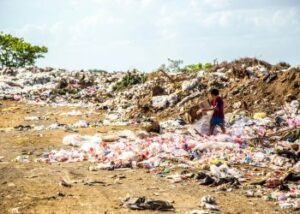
[56, 86]
[245, 136]
[248, 84]
[262, 123]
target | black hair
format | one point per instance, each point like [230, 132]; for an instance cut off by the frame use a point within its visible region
[214, 91]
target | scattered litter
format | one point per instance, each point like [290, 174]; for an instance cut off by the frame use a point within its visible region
[80, 124]
[198, 212]
[31, 118]
[209, 202]
[63, 182]
[71, 113]
[141, 203]
[94, 183]
[23, 158]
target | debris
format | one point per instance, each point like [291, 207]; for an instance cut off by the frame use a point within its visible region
[94, 183]
[71, 113]
[152, 127]
[260, 115]
[63, 182]
[23, 127]
[198, 212]
[189, 84]
[31, 118]
[23, 158]
[80, 124]
[208, 202]
[141, 203]
[188, 98]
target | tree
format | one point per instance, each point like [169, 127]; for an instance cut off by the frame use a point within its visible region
[15, 52]
[174, 65]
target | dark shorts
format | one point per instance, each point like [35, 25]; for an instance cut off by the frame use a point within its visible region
[217, 121]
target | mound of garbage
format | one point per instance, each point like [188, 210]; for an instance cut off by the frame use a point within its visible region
[247, 84]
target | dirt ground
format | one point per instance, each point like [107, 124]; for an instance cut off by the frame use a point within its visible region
[34, 187]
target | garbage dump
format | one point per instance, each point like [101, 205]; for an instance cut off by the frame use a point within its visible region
[262, 115]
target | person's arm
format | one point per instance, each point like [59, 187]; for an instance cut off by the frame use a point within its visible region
[208, 109]
[212, 108]
[205, 110]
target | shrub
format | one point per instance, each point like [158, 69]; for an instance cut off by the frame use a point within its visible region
[128, 80]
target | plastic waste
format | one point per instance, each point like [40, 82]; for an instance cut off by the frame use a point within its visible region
[259, 115]
[80, 124]
[78, 140]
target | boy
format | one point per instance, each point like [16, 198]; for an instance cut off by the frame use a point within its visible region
[218, 115]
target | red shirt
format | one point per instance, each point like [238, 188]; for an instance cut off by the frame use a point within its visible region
[218, 104]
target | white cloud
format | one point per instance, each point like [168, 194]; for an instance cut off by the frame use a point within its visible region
[223, 18]
[146, 32]
[209, 4]
[216, 3]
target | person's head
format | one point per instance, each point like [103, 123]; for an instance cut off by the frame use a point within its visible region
[214, 92]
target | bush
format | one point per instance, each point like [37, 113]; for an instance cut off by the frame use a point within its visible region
[97, 71]
[207, 66]
[193, 68]
[128, 80]
[196, 67]
[65, 91]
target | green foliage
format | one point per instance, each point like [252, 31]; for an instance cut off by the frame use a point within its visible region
[128, 80]
[65, 91]
[97, 71]
[15, 52]
[196, 67]
[193, 67]
[174, 65]
[207, 66]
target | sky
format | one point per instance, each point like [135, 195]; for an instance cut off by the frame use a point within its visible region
[143, 34]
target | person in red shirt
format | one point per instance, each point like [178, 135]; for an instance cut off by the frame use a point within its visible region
[217, 105]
